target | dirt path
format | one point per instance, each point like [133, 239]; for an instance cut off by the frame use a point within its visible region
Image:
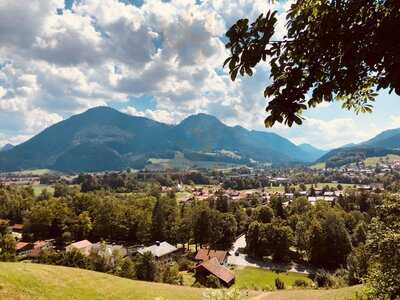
[308, 294]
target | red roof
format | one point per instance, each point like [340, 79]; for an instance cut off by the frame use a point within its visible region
[217, 270]
[207, 254]
[17, 227]
[22, 246]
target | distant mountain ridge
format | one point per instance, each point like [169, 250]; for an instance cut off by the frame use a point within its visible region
[103, 138]
[386, 142]
[314, 152]
[6, 147]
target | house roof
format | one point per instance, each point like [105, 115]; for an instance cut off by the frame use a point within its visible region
[17, 227]
[207, 254]
[159, 249]
[218, 270]
[80, 245]
[22, 246]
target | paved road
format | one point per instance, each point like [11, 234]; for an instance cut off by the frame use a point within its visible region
[245, 261]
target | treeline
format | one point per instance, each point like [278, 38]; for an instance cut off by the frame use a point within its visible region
[125, 218]
[126, 182]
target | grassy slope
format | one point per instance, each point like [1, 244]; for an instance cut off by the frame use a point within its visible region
[25, 281]
[372, 161]
[261, 278]
[34, 281]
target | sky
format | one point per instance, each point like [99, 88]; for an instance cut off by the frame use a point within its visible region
[154, 58]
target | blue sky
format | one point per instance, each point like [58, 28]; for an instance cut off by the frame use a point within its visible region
[153, 58]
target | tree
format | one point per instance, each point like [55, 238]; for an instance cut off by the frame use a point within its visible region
[360, 234]
[383, 243]
[202, 230]
[126, 268]
[146, 267]
[7, 247]
[333, 49]
[264, 214]
[329, 242]
[357, 264]
[271, 239]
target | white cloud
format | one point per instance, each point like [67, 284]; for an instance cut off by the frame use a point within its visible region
[102, 52]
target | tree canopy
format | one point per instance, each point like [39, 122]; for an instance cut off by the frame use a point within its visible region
[333, 50]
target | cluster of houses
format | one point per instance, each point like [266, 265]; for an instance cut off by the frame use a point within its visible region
[208, 262]
[27, 249]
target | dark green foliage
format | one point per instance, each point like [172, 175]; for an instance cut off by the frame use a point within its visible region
[300, 283]
[146, 267]
[329, 242]
[357, 264]
[212, 282]
[7, 247]
[279, 284]
[264, 214]
[324, 279]
[271, 239]
[332, 50]
[126, 268]
[383, 243]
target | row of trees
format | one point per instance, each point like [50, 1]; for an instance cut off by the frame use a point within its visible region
[127, 218]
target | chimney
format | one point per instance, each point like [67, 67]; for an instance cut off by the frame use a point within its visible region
[158, 243]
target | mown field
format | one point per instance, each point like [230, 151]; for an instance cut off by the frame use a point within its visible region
[255, 278]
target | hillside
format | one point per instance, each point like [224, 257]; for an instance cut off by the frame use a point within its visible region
[6, 147]
[36, 282]
[383, 144]
[313, 152]
[105, 139]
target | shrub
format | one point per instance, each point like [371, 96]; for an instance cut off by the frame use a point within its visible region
[185, 264]
[300, 283]
[212, 282]
[232, 294]
[324, 279]
[279, 284]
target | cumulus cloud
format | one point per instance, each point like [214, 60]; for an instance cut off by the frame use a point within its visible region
[55, 62]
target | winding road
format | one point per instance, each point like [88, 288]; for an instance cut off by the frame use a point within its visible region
[245, 261]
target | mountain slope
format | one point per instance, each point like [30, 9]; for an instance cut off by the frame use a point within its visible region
[6, 147]
[312, 151]
[105, 139]
[387, 142]
[386, 139]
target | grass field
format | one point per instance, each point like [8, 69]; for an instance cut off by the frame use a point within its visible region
[318, 166]
[372, 161]
[34, 281]
[255, 278]
[37, 189]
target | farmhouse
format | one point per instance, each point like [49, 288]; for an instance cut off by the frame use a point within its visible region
[39, 246]
[83, 246]
[23, 248]
[213, 267]
[163, 252]
[207, 254]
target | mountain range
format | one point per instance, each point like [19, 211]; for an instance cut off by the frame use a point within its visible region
[6, 147]
[386, 142]
[103, 138]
